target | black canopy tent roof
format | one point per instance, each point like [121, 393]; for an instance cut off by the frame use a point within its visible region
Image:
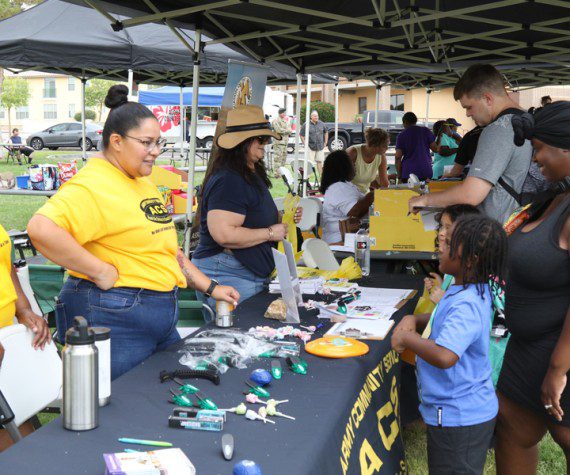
[417, 43]
[61, 37]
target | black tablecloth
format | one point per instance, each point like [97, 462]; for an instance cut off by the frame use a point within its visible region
[347, 413]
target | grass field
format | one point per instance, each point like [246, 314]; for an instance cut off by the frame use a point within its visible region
[15, 212]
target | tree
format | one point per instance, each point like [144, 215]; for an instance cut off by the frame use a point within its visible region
[89, 115]
[15, 93]
[325, 110]
[96, 92]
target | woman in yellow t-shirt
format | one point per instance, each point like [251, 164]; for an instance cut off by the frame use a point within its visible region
[109, 227]
[13, 301]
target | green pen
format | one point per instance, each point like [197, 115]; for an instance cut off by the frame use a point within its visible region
[205, 402]
[181, 399]
[257, 390]
[185, 388]
[154, 443]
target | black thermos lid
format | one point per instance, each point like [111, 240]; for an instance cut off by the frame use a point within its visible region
[79, 333]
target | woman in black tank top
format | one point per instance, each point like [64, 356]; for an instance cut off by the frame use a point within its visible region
[533, 393]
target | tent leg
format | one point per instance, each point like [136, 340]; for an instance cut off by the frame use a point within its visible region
[336, 114]
[377, 105]
[428, 94]
[193, 127]
[307, 121]
[297, 133]
[83, 137]
[181, 123]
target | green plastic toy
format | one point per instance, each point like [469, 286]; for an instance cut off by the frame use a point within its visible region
[297, 365]
[257, 390]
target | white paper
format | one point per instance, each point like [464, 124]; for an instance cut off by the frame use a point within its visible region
[428, 218]
[372, 329]
[289, 287]
[348, 245]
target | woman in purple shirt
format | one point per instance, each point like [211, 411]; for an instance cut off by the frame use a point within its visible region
[413, 147]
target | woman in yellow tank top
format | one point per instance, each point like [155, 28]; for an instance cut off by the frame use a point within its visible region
[370, 160]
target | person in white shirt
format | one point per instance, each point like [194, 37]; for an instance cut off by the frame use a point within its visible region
[342, 198]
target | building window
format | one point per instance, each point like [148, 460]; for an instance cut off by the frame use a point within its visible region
[397, 102]
[71, 84]
[361, 105]
[22, 113]
[71, 110]
[50, 111]
[49, 88]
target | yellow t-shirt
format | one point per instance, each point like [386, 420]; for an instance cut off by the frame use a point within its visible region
[7, 291]
[122, 221]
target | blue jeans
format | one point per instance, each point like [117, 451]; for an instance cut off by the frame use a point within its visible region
[227, 270]
[142, 321]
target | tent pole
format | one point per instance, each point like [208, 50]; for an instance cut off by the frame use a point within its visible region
[335, 115]
[297, 132]
[83, 149]
[193, 127]
[130, 82]
[377, 105]
[428, 94]
[182, 123]
[307, 122]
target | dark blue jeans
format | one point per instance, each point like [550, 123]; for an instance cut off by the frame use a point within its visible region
[142, 321]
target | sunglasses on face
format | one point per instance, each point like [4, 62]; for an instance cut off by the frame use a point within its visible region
[263, 139]
[149, 145]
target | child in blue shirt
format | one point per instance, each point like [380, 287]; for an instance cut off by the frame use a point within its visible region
[457, 399]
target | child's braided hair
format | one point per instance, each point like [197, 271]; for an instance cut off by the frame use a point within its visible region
[482, 243]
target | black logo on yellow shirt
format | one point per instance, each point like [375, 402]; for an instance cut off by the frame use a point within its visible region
[155, 211]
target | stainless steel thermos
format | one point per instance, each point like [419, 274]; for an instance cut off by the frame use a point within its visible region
[80, 378]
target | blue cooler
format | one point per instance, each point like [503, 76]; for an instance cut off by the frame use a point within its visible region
[23, 182]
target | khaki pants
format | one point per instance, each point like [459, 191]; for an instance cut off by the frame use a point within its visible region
[317, 156]
[279, 156]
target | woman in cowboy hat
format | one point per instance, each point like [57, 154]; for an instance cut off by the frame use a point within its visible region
[239, 222]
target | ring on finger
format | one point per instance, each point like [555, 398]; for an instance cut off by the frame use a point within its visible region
[548, 406]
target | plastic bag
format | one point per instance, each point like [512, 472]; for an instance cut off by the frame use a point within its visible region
[290, 204]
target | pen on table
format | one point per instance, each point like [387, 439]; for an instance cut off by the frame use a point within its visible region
[132, 451]
[154, 443]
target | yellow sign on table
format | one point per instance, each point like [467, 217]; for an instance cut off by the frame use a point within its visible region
[392, 229]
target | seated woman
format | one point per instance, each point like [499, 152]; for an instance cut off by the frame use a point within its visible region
[239, 222]
[342, 198]
[369, 159]
[446, 148]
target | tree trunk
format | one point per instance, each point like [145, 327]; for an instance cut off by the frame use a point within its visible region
[9, 122]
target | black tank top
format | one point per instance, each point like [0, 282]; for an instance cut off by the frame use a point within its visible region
[538, 287]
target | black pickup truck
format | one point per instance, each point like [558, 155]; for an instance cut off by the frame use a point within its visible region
[353, 133]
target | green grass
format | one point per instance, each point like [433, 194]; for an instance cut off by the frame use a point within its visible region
[16, 211]
[551, 460]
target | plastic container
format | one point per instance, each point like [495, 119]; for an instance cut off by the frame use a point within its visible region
[23, 182]
[362, 251]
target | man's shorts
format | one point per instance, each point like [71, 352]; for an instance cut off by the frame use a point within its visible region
[317, 156]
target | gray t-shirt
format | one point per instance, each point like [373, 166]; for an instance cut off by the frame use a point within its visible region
[317, 133]
[497, 156]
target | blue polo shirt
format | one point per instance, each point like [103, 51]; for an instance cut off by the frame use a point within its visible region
[228, 191]
[464, 393]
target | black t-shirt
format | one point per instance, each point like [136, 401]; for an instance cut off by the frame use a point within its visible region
[228, 191]
[468, 147]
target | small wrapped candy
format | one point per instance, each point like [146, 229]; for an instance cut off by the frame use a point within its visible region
[254, 416]
[253, 399]
[240, 409]
[271, 411]
[273, 402]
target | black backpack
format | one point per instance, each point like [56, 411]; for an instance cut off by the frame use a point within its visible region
[534, 182]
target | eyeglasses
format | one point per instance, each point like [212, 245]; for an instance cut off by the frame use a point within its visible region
[264, 139]
[149, 145]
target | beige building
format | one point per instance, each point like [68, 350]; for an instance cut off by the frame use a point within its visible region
[53, 98]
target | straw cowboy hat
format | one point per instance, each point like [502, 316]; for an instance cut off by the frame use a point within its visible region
[245, 122]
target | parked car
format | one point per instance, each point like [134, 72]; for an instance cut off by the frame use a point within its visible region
[67, 134]
[353, 133]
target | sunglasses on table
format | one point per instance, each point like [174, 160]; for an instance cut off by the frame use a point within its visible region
[149, 145]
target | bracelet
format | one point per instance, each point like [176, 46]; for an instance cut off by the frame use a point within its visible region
[270, 233]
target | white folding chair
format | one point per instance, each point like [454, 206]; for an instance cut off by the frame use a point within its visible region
[310, 219]
[288, 179]
[29, 379]
[317, 253]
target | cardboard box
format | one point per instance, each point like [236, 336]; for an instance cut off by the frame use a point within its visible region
[162, 177]
[179, 201]
[391, 229]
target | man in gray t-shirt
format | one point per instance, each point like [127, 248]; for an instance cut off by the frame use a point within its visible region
[497, 156]
[482, 94]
